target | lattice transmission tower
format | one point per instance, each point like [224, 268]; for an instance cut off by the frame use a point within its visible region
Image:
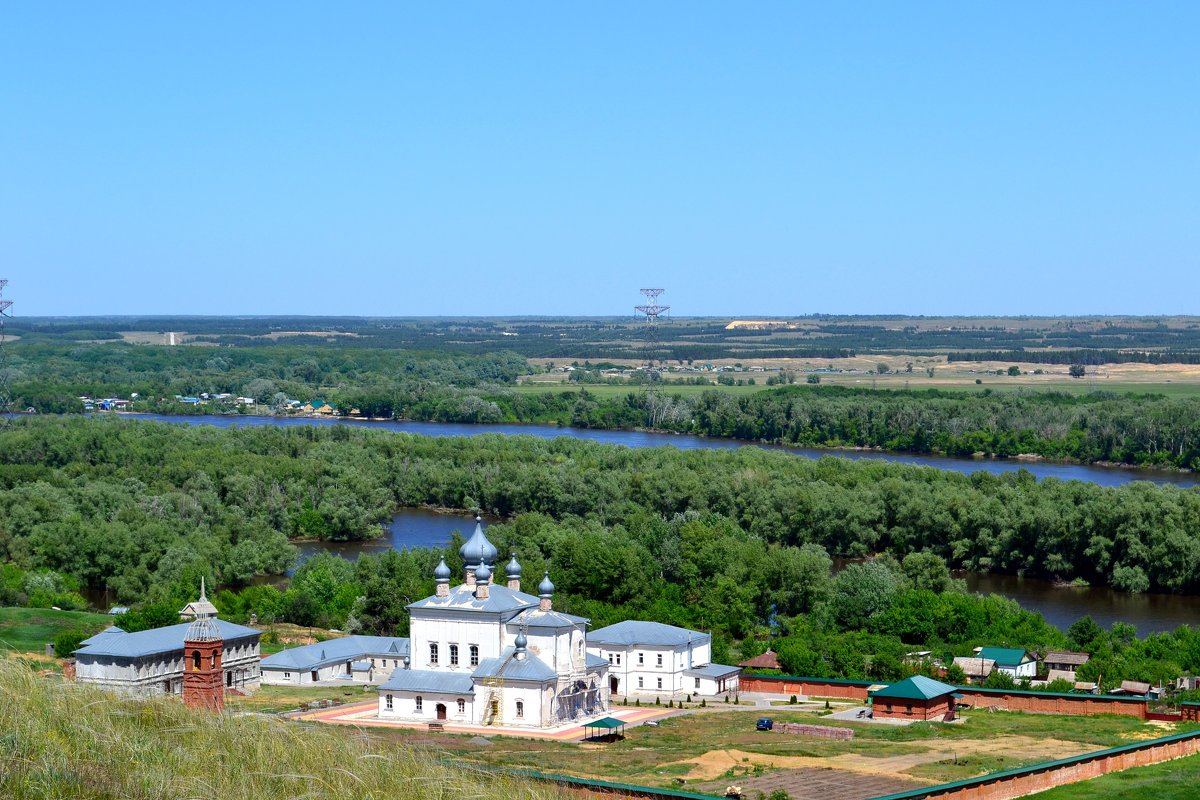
[5, 399]
[652, 311]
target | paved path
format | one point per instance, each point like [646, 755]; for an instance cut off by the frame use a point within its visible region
[366, 714]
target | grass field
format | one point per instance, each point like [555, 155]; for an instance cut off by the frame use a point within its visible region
[27, 630]
[1172, 780]
[276, 699]
[712, 746]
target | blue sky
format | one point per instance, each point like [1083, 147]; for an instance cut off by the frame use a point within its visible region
[552, 158]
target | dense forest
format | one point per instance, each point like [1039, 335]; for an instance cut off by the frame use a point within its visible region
[736, 542]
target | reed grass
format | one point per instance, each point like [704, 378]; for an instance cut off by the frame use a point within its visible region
[62, 740]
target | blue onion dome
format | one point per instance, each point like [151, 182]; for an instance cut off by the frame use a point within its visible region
[521, 642]
[513, 571]
[441, 572]
[478, 550]
[546, 587]
[482, 574]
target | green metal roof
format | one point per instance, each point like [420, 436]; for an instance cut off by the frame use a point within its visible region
[608, 723]
[918, 687]
[1005, 656]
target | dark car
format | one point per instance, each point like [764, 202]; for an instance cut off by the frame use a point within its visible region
[764, 724]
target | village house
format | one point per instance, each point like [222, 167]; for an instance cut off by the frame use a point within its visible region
[767, 660]
[1012, 661]
[975, 668]
[653, 659]
[915, 698]
[151, 662]
[1065, 661]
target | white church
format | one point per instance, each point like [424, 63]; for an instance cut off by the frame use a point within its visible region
[482, 653]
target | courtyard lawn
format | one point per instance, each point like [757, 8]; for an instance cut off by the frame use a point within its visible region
[278, 699]
[1171, 780]
[27, 630]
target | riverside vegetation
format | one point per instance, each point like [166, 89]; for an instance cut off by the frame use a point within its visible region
[736, 542]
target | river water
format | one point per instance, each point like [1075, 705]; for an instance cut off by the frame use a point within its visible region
[413, 528]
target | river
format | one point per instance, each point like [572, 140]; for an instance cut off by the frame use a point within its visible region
[1103, 476]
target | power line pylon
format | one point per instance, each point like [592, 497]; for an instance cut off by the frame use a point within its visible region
[652, 311]
[5, 399]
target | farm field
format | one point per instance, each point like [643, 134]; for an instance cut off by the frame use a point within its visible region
[707, 751]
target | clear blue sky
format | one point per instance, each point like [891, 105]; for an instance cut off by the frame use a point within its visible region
[503, 158]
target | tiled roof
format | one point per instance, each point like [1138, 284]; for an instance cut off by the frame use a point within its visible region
[918, 687]
[334, 651]
[429, 680]
[712, 671]
[462, 598]
[156, 640]
[530, 668]
[634, 632]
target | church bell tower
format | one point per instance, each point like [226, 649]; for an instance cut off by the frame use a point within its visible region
[202, 648]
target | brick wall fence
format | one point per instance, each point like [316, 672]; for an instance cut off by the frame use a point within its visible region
[819, 731]
[1026, 700]
[1026, 780]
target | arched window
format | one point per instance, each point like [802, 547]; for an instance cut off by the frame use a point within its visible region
[212, 660]
[474, 655]
[454, 655]
[520, 708]
[195, 659]
[418, 704]
[462, 706]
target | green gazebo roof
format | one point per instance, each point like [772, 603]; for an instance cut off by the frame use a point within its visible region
[918, 687]
[607, 723]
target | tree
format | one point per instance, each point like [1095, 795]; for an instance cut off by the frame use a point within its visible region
[862, 591]
[813, 379]
[927, 571]
[1084, 634]
[1077, 370]
[999, 680]
[1014, 371]
[882, 368]
[955, 675]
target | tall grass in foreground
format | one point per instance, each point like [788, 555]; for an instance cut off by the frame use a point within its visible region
[60, 740]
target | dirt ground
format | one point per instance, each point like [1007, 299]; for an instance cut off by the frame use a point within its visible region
[826, 784]
[716, 763]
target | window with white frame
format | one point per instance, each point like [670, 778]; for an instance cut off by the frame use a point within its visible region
[462, 705]
[697, 683]
[660, 683]
[641, 659]
[287, 676]
[520, 708]
[418, 704]
[454, 655]
[639, 682]
[433, 653]
[612, 659]
[659, 659]
[389, 702]
[618, 659]
[474, 655]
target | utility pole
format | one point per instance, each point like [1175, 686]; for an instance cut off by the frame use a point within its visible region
[5, 399]
[651, 310]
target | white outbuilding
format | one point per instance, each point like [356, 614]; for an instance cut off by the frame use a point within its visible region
[653, 659]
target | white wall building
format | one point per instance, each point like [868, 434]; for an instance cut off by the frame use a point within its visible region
[365, 659]
[485, 654]
[151, 662]
[653, 659]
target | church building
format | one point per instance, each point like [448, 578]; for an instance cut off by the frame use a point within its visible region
[482, 653]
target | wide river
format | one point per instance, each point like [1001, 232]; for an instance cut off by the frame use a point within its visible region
[1061, 606]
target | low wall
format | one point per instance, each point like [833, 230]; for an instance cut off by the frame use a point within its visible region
[1026, 780]
[819, 731]
[1028, 700]
[811, 687]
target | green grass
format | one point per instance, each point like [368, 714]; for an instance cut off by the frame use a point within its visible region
[274, 699]
[60, 740]
[27, 630]
[605, 390]
[1171, 780]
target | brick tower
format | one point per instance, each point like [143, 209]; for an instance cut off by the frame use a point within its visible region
[202, 647]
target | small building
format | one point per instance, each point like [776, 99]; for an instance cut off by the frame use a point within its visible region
[367, 659]
[1065, 661]
[654, 659]
[915, 698]
[768, 660]
[1132, 689]
[1012, 661]
[974, 667]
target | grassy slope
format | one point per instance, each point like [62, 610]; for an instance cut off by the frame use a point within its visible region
[63, 740]
[1172, 780]
[27, 630]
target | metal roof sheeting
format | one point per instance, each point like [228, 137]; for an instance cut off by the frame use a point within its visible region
[1005, 656]
[333, 651]
[635, 632]
[918, 687]
[712, 671]
[119, 644]
[462, 598]
[428, 680]
[530, 668]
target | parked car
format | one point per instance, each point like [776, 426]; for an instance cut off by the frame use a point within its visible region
[764, 724]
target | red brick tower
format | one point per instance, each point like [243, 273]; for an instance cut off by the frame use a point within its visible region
[203, 684]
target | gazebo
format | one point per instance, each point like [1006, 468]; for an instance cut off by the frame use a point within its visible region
[609, 729]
